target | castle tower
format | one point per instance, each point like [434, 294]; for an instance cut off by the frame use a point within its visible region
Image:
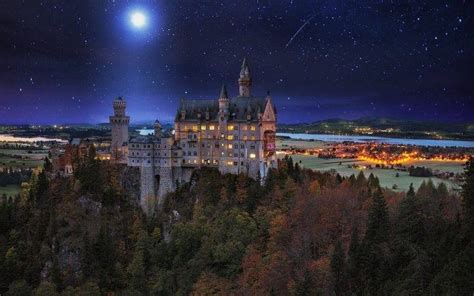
[157, 128]
[245, 82]
[119, 123]
[223, 101]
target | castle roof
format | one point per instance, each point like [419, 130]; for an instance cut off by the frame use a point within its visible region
[239, 108]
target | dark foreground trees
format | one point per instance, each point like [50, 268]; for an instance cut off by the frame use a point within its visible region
[300, 233]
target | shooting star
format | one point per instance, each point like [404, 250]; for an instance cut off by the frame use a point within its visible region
[299, 30]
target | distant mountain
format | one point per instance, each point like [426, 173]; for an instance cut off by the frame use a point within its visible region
[384, 127]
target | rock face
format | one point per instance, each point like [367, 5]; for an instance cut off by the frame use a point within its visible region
[79, 219]
[130, 180]
[75, 220]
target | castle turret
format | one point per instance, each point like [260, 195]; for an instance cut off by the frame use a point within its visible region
[245, 81]
[157, 128]
[223, 101]
[119, 123]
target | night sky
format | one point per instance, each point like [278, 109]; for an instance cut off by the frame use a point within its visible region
[65, 61]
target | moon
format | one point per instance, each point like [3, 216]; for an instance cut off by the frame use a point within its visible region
[138, 19]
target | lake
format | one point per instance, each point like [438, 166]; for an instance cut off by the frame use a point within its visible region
[10, 138]
[364, 139]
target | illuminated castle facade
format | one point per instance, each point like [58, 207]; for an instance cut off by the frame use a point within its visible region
[233, 134]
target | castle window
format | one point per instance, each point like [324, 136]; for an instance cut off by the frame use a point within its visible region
[230, 137]
[230, 162]
[230, 127]
[203, 127]
[195, 128]
[216, 145]
[252, 155]
[252, 146]
[235, 163]
[229, 146]
[195, 153]
[211, 127]
[252, 127]
[252, 138]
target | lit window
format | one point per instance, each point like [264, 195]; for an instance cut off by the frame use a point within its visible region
[229, 146]
[230, 163]
[252, 138]
[230, 137]
[252, 127]
[230, 127]
[211, 127]
[203, 127]
[252, 155]
[195, 128]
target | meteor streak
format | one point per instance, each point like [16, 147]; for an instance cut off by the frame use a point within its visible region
[299, 30]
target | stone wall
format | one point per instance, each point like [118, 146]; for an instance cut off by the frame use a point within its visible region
[147, 188]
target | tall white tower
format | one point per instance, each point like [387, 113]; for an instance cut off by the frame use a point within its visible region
[119, 123]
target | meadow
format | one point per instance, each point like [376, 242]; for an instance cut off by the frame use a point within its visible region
[388, 177]
[19, 159]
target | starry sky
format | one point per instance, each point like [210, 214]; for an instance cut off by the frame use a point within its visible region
[64, 61]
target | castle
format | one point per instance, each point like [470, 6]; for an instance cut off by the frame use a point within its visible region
[234, 134]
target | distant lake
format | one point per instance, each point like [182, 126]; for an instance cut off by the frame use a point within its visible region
[365, 139]
[146, 131]
[10, 138]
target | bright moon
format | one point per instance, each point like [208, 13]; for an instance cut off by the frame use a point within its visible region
[138, 19]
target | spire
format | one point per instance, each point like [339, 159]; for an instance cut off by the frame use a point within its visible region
[244, 69]
[223, 93]
[245, 82]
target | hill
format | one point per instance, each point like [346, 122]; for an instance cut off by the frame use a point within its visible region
[385, 127]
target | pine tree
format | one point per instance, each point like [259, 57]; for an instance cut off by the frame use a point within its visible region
[354, 262]
[375, 261]
[377, 224]
[410, 220]
[136, 273]
[468, 196]
[46, 289]
[338, 267]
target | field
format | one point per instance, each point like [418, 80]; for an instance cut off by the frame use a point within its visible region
[9, 190]
[387, 177]
[298, 144]
[19, 158]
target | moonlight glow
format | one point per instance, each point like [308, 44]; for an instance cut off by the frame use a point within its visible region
[138, 19]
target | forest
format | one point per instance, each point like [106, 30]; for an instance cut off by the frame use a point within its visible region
[300, 232]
